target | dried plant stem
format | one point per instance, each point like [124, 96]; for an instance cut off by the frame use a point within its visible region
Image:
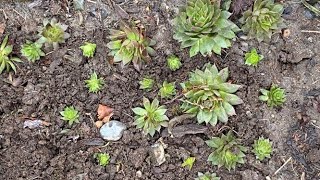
[284, 164]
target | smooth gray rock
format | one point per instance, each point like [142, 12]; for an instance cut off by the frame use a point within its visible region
[112, 130]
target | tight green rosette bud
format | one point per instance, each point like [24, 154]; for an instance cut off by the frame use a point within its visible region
[262, 148]
[173, 63]
[94, 84]
[70, 114]
[88, 49]
[252, 58]
[146, 84]
[32, 51]
[168, 90]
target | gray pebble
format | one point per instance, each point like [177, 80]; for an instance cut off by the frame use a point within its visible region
[112, 130]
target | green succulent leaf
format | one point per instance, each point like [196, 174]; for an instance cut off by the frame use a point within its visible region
[6, 61]
[94, 84]
[188, 162]
[208, 96]
[70, 114]
[151, 117]
[227, 151]
[263, 20]
[274, 97]
[204, 27]
[88, 49]
[262, 148]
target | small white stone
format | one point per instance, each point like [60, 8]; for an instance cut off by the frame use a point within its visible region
[112, 130]
[139, 174]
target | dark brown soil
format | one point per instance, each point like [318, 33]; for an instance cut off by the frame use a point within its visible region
[41, 90]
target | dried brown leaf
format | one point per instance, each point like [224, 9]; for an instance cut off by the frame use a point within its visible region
[98, 124]
[2, 28]
[107, 118]
[104, 111]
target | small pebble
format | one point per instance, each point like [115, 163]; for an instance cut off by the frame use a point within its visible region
[139, 174]
[112, 130]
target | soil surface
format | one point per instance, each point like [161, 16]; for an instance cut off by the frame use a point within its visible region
[42, 89]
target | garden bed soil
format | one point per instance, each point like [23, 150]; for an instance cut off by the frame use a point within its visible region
[42, 89]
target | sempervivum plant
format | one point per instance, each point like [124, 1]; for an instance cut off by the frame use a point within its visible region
[227, 151]
[262, 148]
[252, 58]
[274, 97]
[207, 176]
[130, 44]
[53, 33]
[168, 90]
[88, 49]
[32, 51]
[70, 114]
[209, 96]
[173, 63]
[261, 21]
[204, 26]
[146, 84]
[151, 117]
[94, 84]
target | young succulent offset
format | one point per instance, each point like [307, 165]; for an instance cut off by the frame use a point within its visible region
[88, 49]
[94, 83]
[204, 26]
[102, 158]
[227, 151]
[209, 96]
[167, 90]
[53, 33]
[188, 162]
[173, 63]
[32, 51]
[7, 62]
[70, 114]
[262, 148]
[151, 117]
[207, 176]
[146, 84]
[262, 20]
[130, 44]
[252, 58]
[274, 97]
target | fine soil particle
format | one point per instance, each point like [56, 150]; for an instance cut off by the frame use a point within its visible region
[60, 151]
